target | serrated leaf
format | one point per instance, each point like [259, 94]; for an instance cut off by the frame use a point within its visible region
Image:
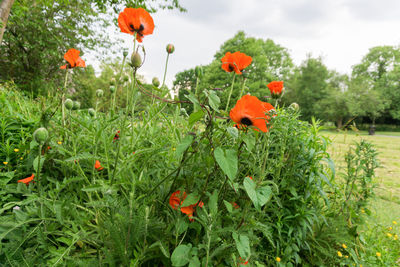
[184, 144]
[228, 206]
[181, 255]
[233, 131]
[194, 262]
[259, 196]
[213, 99]
[213, 203]
[36, 163]
[249, 141]
[227, 161]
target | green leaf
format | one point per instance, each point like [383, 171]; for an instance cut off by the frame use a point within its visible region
[213, 203]
[213, 99]
[259, 196]
[233, 131]
[194, 262]
[163, 248]
[250, 142]
[227, 160]
[191, 199]
[228, 206]
[242, 244]
[92, 188]
[185, 143]
[195, 116]
[180, 256]
[8, 177]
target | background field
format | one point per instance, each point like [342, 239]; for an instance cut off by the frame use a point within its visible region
[386, 206]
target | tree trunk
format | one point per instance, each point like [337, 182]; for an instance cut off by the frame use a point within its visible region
[339, 123]
[5, 8]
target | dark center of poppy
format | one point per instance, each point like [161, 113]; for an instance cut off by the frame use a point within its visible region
[139, 31]
[246, 121]
[231, 67]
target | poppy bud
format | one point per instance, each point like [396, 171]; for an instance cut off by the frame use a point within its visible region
[92, 112]
[68, 104]
[41, 135]
[99, 93]
[76, 105]
[126, 78]
[294, 106]
[125, 53]
[136, 60]
[155, 82]
[198, 71]
[112, 89]
[112, 82]
[170, 48]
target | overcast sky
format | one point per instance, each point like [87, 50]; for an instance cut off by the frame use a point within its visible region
[339, 31]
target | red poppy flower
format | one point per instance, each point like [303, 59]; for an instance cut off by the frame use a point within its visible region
[250, 111]
[235, 62]
[176, 199]
[27, 180]
[136, 20]
[242, 261]
[97, 166]
[235, 205]
[73, 58]
[116, 136]
[275, 88]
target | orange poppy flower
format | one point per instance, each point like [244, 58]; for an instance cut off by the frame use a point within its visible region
[235, 62]
[176, 200]
[97, 166]
[276, 88]
[73, 58]
[242, 261]
[250, 111]
[136, 20]
[27, 180]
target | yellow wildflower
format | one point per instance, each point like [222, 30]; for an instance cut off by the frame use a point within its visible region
[278, 259]
[339, 254]
[21, 158]
[396, 237]
[173, 149]
[59, 142]
[389, 234]
[394, 222]
[362, 211]
[5, 162]
[346, 256]
[390, 228]
[344, 246]
[16, 150]
[378, 254]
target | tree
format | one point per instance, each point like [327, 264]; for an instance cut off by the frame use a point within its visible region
[5, 8]
[310, 86]
[270, 62]
[380, 69]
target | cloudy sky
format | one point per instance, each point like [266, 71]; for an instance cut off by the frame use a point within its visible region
[339, 31]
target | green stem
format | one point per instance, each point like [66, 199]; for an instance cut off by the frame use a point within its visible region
[230, 93]
[63, 100]
[165, 71]
[196, 93]
[117, 85]
[241, 91]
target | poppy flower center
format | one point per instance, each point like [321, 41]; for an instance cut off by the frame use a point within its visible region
[231, 67]
[139, 31]
[246, 121]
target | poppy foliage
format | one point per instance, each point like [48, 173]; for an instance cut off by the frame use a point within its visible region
[136, 20]
[235, 62]
[73, 59]
[275, 87]
[250, 111]
[27, 180]
[176, 199]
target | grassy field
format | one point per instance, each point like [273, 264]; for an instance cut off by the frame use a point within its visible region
[386, 206]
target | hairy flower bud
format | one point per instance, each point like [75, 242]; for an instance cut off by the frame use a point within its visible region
[170, 48]
[126, 78]
[92, 112]
[112, 89]
[112, 82]
[125, 53]
[198, 71]
[76, 105]
[68, 104]
[41, 135]
[294, 106]
[136, 60]
[155, 82]
[99, 93]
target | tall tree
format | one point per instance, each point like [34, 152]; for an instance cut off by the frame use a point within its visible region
[5, 8]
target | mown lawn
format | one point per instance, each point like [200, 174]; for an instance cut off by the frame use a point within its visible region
[386, 206]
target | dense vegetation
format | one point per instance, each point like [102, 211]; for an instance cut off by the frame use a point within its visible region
[131, 177]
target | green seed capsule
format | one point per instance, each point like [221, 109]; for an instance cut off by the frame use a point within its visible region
[112, 89]
[41, 135]
[68, 104]
[136, 60]
[76, 105]
[92, 112]
[155, 82]
[99, 93]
